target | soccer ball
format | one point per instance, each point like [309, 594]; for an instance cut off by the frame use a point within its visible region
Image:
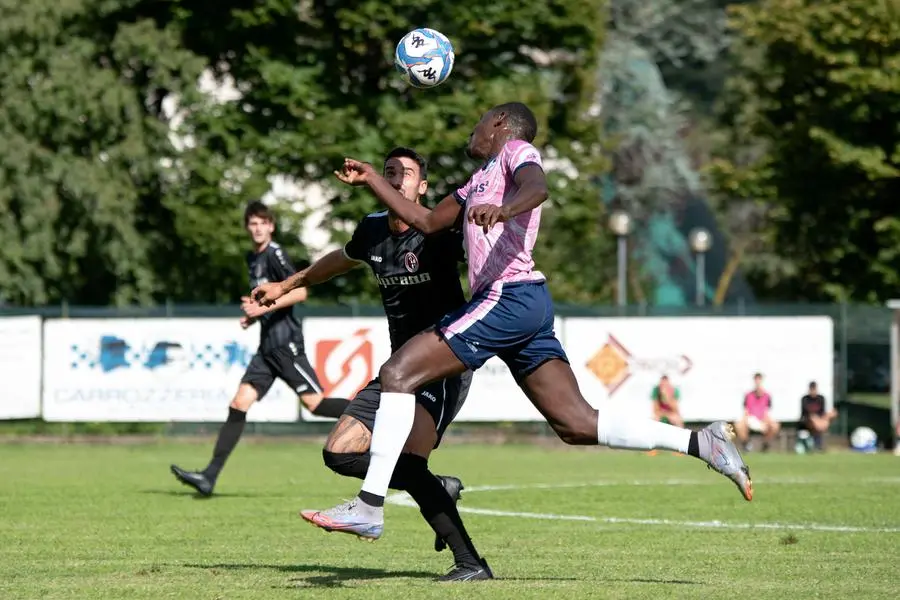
[863, 439]
[424, 57]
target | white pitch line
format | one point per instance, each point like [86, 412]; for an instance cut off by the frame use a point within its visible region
[644, 482]
[403, 499]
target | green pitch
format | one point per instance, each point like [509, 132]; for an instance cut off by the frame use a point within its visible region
[98, 522]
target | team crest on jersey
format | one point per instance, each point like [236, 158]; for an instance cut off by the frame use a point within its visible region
[411, 261]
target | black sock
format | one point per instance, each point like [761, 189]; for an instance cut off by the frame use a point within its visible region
[356, 464]
[694, 445]
[371, 499]
[437, 507]
[331, 407]
[228, 438]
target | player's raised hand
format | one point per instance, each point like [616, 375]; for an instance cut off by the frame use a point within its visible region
[487, 215]
[266, 294]
[354, 172]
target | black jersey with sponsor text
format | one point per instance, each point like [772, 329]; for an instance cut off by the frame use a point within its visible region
[279, 327]
[417, 274]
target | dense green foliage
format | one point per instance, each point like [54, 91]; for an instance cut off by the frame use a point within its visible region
[124, 168]
[813, 108]
[122, 181]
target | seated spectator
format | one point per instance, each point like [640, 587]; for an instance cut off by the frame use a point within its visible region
[665, 398]
[757, 404]
[813, 417]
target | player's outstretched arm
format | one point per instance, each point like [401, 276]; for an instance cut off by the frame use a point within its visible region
[415, 215]
[253, 308]
[426, 220]
[331, 265]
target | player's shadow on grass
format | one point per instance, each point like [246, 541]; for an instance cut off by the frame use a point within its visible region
[335, 577]
[188, 494]
[651, 580]
[325, 575]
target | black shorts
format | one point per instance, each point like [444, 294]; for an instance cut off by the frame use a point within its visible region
[442, 399]
[287, 363]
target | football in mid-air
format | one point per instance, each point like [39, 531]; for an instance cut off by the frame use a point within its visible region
[424, 57]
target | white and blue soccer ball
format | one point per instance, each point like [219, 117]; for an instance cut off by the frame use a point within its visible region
[424, 57]
[863, 439]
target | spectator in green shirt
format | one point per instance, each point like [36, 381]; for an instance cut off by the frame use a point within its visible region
[665, 398]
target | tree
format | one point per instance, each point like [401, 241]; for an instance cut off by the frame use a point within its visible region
[316, 83]
[121, 181]
[85, 213]
[813, 107]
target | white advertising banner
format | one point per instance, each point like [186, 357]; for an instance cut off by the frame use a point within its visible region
[346, 353]
[710, 360]
[188, 369]
[155, 370]
[20, 367]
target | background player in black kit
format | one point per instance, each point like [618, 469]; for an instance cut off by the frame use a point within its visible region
[280, 353]
[419, 282]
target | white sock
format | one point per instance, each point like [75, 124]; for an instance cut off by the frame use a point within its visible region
[618, 430]
[393, 422]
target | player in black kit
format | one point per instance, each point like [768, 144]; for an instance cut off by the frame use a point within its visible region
[419, 283]
[280, 353]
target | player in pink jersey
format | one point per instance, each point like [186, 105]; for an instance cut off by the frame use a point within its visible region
[510, 315]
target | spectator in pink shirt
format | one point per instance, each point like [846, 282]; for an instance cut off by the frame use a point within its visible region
[757, 404]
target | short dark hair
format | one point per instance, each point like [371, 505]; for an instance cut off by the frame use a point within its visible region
[521, 120]
[402, 152]
[813, 384]
[258, 209]
[757, 376]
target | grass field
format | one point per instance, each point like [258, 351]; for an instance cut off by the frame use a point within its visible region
[92, 522]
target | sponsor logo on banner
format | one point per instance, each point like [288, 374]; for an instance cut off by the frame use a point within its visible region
[711, 360]
[613, 364]
[345, 365]
[162, 357]
[151, 370]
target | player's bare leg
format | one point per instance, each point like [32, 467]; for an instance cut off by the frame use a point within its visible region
[311, 401]
[323, 406]
[204, 481]
[553, 390]
[421, 360]
[348, 436]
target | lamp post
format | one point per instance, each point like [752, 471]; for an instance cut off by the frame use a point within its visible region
[701, 241]
[620, 224]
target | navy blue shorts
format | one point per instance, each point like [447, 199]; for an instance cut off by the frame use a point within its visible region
[511, 320]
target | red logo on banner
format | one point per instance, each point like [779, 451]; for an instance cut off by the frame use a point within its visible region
[345, 365]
